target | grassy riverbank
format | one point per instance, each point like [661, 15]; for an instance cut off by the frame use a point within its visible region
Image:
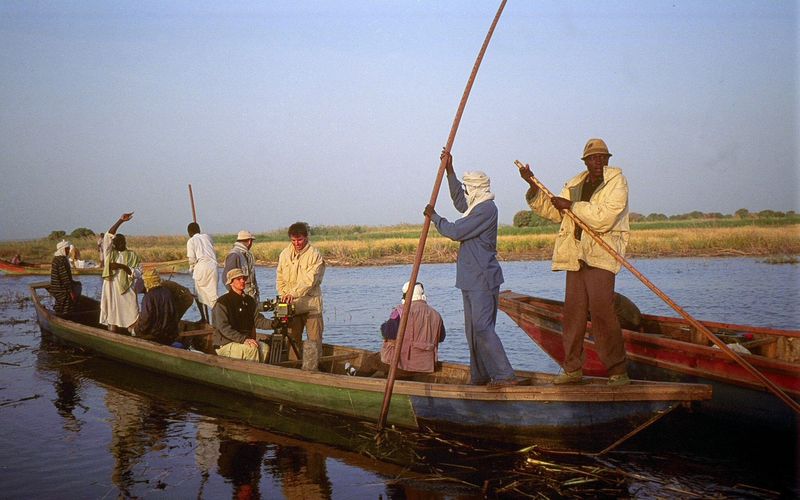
[777, 239]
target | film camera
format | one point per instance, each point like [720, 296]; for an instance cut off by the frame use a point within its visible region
[280, 342]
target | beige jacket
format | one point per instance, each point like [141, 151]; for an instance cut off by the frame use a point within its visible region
[301, 276]
[606, 212]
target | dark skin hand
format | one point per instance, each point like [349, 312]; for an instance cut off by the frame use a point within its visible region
[449, 159]
[429, 211]
[558, 202]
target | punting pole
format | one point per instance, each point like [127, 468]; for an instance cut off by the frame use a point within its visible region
[191, 199]
[387, 396]
[696, 324]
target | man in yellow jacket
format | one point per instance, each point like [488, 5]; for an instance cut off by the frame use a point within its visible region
[599, 197]
[298, 280]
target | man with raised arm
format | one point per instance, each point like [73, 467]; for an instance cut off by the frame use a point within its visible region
[119, 307]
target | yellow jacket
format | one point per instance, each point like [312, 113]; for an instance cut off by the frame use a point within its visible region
[606, 212]
[301, 276]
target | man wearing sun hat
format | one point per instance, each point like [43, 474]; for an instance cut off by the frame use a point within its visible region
[235, 318]
[240, 257]
[598, 196]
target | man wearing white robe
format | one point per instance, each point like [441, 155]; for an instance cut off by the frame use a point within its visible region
[119, 306]
[203, 265]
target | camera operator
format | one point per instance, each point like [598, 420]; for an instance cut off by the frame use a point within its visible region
[298, 279]
[235, 319]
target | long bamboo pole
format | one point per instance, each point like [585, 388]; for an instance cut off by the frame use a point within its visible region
[387, 396]
[191, 199]
[696, 324]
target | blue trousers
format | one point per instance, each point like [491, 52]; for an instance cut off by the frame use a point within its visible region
[487, 357]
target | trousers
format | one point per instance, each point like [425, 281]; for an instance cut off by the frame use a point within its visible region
[487, 357]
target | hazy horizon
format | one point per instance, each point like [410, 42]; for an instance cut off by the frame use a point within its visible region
[334, 112]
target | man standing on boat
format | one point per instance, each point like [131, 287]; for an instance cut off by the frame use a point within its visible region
[298, 280]
[240, 257]
[203, 265]
[236, 318]
[599, 197]
[62, 287]
[478, 274]
[119, 307]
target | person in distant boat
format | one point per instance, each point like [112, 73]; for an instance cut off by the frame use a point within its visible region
[63, 288]
[119, 307]
[158, 318]
[240, 257]
[424, 332]
[298, 280]
[203, 265]
[235, 319]
[599, 197]
[17, 260]
[478, 274]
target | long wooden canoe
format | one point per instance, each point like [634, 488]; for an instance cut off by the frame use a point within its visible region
[165, 267]
[592, 417]
[669, 349]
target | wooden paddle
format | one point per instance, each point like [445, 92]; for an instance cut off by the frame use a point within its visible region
[696, 324]
[387, 396]
[191, 199]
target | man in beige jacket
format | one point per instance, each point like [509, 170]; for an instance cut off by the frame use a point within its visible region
[298, 281]
[599, 197]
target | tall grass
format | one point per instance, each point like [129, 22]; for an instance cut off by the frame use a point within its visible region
[360, 245]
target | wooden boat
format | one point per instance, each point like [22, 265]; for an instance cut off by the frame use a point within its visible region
[669, 349]
[593, 417]
[7, 268]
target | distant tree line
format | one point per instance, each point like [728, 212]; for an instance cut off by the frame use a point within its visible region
[527, 218]
[80, 232]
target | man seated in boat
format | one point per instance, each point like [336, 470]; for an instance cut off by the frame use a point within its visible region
[158, 317]
[424, 332]
[235, 318]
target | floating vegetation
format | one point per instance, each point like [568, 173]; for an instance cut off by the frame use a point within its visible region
[781, 259]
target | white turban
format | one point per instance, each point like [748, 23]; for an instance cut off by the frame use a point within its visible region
[60, 247]
[477, 184]
[419, 292]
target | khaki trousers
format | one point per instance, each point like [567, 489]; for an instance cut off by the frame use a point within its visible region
[313, 325]
[592, 290]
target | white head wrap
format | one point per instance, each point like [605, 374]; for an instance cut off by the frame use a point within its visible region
[60, 247]
[477, 189]
[419, 292]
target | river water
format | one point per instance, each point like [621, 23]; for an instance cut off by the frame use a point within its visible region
[76, 426]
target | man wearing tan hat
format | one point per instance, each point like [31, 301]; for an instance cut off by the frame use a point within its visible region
[240, 257]
[599, 197]
[235, 318]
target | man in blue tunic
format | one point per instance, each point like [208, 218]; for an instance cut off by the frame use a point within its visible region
[478, 274]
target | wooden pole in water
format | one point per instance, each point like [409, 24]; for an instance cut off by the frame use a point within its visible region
[387, 396]
[696, 324]
[191, 199]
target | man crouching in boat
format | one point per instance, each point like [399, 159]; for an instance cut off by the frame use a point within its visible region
[158, 318]
[424, 332]
[235, 319]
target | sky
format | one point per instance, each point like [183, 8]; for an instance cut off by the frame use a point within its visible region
[335, 112]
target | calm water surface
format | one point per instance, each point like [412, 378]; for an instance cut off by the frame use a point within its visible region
[75, 426]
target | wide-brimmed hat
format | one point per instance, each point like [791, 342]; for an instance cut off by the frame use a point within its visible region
[151, 278]
[233, 274]
[244, 236]
[593, 147]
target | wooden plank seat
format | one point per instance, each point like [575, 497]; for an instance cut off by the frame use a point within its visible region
[204, 339]
[332, 359]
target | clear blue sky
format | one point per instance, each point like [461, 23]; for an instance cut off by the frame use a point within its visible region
[335, 112]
